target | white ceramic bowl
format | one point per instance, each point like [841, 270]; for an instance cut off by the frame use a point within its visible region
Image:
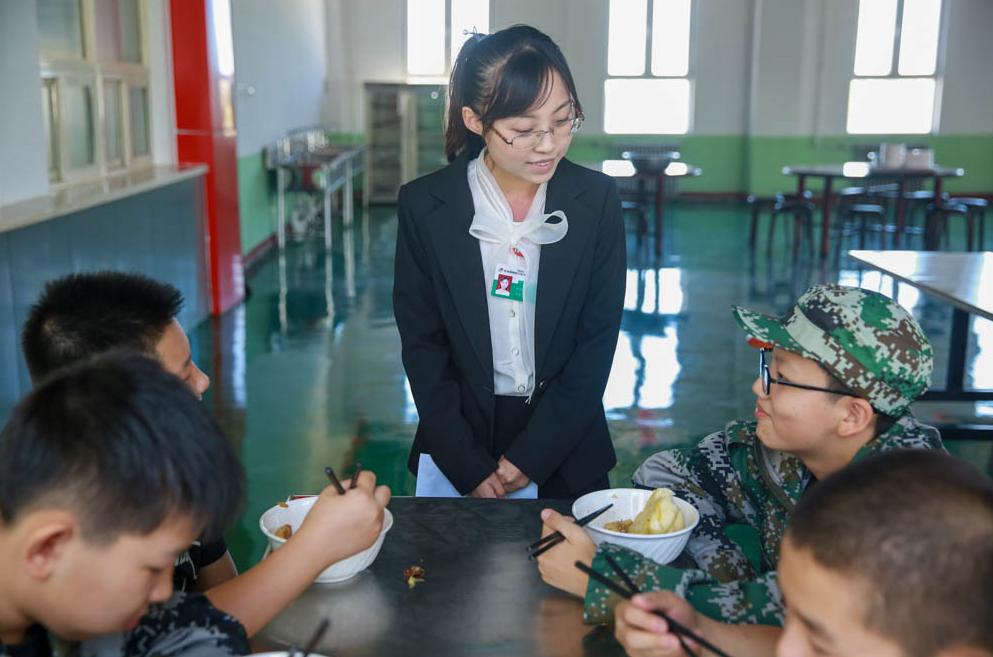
[628, 502]
[293, 514]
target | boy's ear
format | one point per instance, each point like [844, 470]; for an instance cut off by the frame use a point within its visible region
[858, 416]
[47, 541]
[472, 121]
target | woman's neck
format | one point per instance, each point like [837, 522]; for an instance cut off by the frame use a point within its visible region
[519, 193]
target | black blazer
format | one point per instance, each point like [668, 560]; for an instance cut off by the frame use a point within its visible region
[440, 303]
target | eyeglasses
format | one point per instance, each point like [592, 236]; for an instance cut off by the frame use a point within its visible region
[530, 140]
[767, 379]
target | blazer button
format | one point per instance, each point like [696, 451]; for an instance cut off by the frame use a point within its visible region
[541, 385]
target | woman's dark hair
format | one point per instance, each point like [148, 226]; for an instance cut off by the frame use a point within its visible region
[500, 75]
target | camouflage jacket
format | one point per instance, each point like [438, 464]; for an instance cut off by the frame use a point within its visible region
[731, 478]
[183, 626]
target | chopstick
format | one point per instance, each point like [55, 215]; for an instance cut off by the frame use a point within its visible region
[316, 637]
[355, 475]
[334, 480]
[546, 543]
[675, 627]
[634, 589]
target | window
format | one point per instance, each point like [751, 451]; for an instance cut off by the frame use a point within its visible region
[436, 30]
[94, 85]
[895, 86]
[648, 90]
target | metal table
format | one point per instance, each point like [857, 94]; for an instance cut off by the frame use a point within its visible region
[965, 280]
[657, 168]
[863, 171]
[480, 595]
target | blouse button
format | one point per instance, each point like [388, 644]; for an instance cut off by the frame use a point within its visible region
[517, 352]
[513, 314]
[520, 388]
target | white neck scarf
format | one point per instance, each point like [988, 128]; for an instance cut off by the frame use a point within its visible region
[494, 220]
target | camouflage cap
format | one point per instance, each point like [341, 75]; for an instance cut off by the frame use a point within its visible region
[866, 340]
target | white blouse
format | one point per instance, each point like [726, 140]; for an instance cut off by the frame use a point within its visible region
[515, 245]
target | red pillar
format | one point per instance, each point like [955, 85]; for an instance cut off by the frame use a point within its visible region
[203, 74]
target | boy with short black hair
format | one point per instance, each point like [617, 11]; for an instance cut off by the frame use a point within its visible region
[890, 557]
[81, 315]
[85, 314]
[836, 380]
[108, 471]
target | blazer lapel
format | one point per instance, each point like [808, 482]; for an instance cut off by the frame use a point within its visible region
[461, 261]
[559, 261]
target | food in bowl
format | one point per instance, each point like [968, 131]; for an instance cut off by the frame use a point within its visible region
[659, 516]
[293, 512]
[627, 504]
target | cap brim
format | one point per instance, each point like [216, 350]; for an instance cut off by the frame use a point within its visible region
[768, 329]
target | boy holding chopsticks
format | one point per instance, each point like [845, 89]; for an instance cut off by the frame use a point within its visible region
[836, 379]
[891, 557]
[81, 315]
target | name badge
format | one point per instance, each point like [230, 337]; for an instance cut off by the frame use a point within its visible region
[508, 283]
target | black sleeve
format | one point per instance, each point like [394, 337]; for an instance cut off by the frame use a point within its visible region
[211, 552]
[428, 362]
[568, 406]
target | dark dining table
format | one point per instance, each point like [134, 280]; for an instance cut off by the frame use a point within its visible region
[865, 171]
[480, 595]
[658, 168]
[963, 280]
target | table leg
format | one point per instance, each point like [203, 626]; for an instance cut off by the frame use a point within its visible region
[280, 208]
[955, 379]
[349, 192]
[801, 182]
[327, 209]
[659, 210]
[825, 216]
[901, 212]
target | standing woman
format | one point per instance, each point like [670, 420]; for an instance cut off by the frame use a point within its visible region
[507, 360]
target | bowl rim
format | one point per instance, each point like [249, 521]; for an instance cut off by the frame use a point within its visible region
[387, 521]
[641, 537]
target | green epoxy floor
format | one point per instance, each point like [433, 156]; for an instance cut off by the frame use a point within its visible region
[307, 372]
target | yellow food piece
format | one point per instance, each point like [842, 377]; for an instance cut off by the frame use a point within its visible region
[660, 515]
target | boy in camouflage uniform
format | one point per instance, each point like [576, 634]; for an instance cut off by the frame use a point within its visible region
[845, 366]
[109, 470]
[892, 556]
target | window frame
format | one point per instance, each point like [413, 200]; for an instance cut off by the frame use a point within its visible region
[59, 67]
[894, 72]
[440, 78]
[647, 74]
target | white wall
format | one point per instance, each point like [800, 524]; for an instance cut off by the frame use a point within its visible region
[794, 81]
[364, 45]
[158, 43]
[23, 156]
[280, 55]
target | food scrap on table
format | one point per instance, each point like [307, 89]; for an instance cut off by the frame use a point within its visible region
[414, 576]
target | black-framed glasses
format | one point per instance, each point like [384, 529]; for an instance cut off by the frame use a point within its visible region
[530, 140]
[767, 379]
